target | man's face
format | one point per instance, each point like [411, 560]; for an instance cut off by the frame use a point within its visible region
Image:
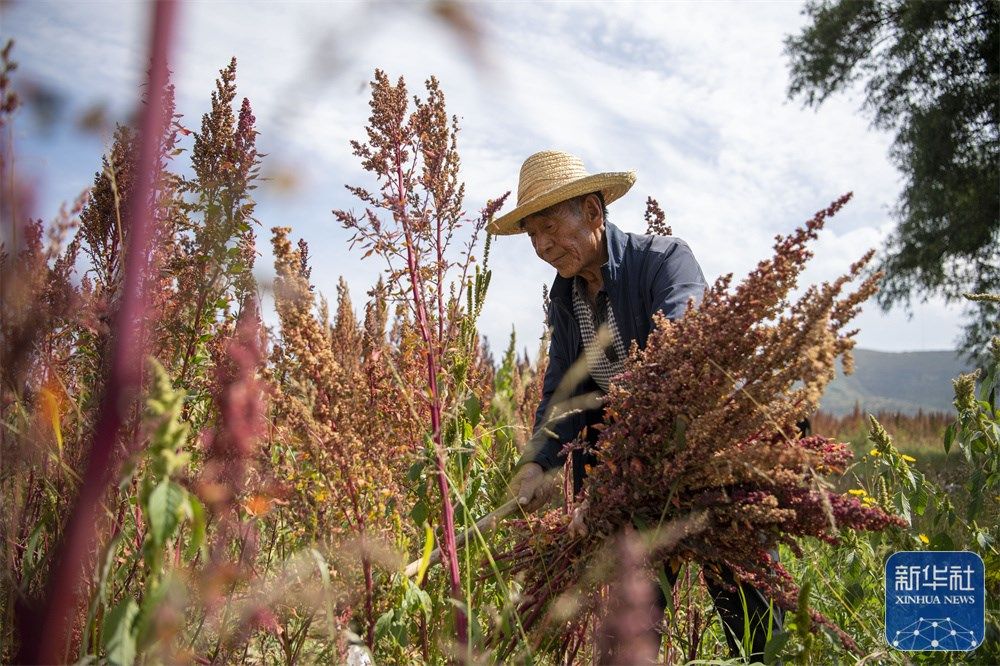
[568, 236]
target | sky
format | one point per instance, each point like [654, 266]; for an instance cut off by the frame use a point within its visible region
[690, 95]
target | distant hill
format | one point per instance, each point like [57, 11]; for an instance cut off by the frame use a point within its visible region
[895, 381]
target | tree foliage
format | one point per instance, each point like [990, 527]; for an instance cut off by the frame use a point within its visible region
[932, 75]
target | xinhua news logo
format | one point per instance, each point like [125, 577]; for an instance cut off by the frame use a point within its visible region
[935, 600]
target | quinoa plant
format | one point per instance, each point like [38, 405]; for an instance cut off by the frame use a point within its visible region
[346, 438]
[215, 244]
[62, 597]
[411, 222]
[85, 299]
[656, 219]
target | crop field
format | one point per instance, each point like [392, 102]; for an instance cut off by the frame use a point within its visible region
[183, 483]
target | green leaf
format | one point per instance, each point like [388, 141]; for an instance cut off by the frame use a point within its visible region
[426, 604]
[31, 552]
[118, 637]
[419, 513]
[164, 510]
[949, 437]
[975, 503]
[486, 442]
[902, 503]
[775, 645]
[388, 625]
[941, 541]
[919, 499]
[197, 526]
[382, 624]
[401, 632]
[416, 469]
[666, 587]
[462, 459]
[411, 597]
[854, 594]
[473, 491]
[473, 410]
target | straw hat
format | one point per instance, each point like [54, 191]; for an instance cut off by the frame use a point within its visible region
[550, 177]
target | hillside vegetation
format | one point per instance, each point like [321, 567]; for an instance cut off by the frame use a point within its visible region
[905, 382]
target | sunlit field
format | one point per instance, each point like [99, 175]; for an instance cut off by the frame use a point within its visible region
[184, 481]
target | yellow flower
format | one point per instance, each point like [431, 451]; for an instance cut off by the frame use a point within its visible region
[874, 453]
[857, 492]
[909, 458]
[923, 537]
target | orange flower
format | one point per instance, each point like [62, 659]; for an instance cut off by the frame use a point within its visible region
[258, 505]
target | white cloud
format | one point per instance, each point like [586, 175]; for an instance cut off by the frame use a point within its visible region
[691, 95]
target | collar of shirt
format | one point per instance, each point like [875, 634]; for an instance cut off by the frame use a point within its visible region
[580, 285]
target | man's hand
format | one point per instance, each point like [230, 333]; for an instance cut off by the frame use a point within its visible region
[531, 487]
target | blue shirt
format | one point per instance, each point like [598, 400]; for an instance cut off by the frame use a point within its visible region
[644, 274]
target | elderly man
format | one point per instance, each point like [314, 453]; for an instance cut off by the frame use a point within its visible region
[609, 285]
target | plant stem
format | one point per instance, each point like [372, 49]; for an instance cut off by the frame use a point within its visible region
[40, 641]
[420, 306]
